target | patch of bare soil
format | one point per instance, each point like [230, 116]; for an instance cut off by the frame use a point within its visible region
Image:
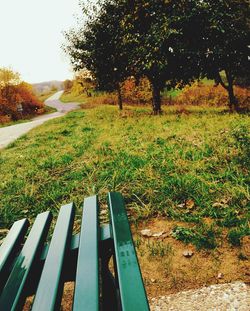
[166, 270]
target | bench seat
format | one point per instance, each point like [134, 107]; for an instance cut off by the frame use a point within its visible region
[31, 265]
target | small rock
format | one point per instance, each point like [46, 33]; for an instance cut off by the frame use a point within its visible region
[4, 231]
[158, 234]
[220, 276]
[146, 232]
[188, 253]
[153, 280]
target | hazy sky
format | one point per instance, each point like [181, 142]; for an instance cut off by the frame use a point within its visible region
[31, 37]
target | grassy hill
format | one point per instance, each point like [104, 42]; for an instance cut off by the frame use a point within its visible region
[184, 173]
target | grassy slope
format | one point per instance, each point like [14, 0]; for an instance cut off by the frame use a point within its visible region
[44, 96]
[68, 97]
[158, 163]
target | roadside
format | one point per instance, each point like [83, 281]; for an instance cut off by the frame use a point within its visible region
[9, 134]
[234, 296]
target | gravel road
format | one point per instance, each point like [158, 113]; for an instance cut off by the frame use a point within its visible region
[224, 297]
[9, 134]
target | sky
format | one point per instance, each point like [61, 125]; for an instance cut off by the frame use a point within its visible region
[31, 37]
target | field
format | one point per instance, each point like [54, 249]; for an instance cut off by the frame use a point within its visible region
[184, 176]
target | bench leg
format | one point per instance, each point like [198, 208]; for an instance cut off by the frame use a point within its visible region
[110, 291]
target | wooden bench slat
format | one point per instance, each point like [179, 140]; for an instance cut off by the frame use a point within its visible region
[13, 293]
[132, 291]
[86, 296]
[9, 247]
[50, 287]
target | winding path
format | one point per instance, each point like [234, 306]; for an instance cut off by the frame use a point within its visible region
[9, 134]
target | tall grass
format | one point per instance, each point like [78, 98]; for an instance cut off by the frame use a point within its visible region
[158, 163]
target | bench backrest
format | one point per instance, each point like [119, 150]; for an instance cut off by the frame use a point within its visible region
[33, 266]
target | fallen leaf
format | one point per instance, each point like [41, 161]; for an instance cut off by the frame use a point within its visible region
[190, 204]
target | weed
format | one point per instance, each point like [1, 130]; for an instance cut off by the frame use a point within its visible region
[158, 248]
[202, 236]
[185, 235]
[234, 237]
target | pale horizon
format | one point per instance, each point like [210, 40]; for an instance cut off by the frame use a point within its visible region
[31, 35]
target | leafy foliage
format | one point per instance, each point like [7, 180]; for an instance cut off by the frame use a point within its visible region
[199, 93]
[171, 43]
[16, 95]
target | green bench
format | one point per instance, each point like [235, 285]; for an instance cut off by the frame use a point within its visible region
[38, 267]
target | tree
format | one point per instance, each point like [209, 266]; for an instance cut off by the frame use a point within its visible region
[147, 32]
[15, 94]
[98, 47]
[8, 79]
[67, 85]
[214, 36]
[86, 81]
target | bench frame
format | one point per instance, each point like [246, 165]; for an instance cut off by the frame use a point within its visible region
[114, 242]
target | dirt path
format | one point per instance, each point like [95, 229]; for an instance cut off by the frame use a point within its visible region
[9, 134]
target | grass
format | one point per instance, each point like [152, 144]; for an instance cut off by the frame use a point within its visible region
[69, 98]
[14, 122]
[160, 164]
[44, 96]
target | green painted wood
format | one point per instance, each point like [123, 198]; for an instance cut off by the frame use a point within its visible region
[49, 292]
[9, 248]
[13, 294]
[86, 296]
[132, 291]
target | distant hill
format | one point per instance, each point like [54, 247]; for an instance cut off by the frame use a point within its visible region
[47, 86]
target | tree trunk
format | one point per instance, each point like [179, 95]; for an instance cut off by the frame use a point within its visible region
[156, 98]
[119, 93]
[233, 102]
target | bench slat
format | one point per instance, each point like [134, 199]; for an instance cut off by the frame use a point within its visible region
[86, 295]
[50, 287]
[13, 294]
[132, 291]
[9, 247]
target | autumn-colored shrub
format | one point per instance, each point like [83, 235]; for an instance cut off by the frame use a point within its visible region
[103, 99]
[16, 97]
[202, 94]
[137, 92]
[18, 101]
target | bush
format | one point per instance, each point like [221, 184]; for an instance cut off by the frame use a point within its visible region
[137, 92]
[14, 96]
[210, 95]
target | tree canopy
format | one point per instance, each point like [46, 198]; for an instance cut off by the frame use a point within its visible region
[16, 97]
[169, 42]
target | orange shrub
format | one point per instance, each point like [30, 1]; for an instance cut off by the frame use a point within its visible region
[136, 93]
[14, 97]
[103, 99]
[201, 94]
